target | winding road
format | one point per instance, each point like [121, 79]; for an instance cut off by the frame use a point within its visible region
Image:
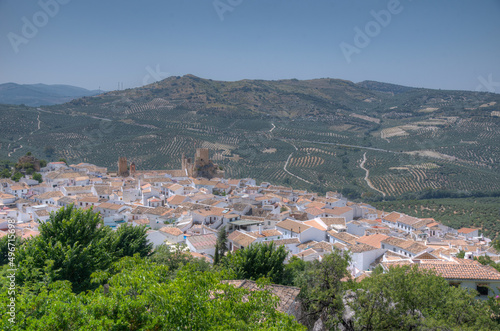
[368, 181]
[286, 163]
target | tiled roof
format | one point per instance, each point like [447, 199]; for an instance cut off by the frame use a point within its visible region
[360, 248]
[372, 240]
[316, 224]
[314, 211]
[466, 230]
[171, 230]
[451, 270]
[392, 217]
[293, 226]
[241, 238]
[287, 295]
[344, 237]
[330, 221]
[204, 241]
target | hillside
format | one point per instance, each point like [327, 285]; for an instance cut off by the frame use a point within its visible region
[41, 94]
[369, 139]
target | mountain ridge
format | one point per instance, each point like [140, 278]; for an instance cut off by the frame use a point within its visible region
[41, 94]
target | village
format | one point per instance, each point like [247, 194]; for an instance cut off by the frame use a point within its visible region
[192, 204]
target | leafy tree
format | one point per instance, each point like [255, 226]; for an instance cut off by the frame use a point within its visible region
[4, 247]
[322, 289]
[140, 296]
[177, 256]
[43, 163]
[294, 270]
[17, 176]
[130, 240]
[220, 246]
[75, 243]
[63, 160]
[37, 176]
[5, 173]
[409, 298]
[75, 240]
[257, 261]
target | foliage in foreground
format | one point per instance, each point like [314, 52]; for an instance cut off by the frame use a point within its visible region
[142, 296]
[406, 298]
[73, 244]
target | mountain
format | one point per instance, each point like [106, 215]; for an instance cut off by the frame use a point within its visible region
[41, 94]
[384, 87]
[369, 139]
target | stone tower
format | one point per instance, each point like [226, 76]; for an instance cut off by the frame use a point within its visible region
[122, 167]
[132, 168]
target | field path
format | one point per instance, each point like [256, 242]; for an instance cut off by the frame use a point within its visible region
[274, 127]
[368, 181]
[286, 163]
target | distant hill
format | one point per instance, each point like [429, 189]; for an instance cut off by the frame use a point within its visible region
[384, 87]
[41, 94]
[320, 134]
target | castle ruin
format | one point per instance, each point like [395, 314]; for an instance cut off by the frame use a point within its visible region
[202, 165]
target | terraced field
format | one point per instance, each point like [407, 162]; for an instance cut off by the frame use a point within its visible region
[415, 140]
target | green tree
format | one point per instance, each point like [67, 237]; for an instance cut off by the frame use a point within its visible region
[5, 173]
[4, 247]
[410, 298]
[257, 261]
[130, 240]
[76, 241]
[322, 289]
[140, 296]
[37, 176]
[220, 246]
[17, 176]
[176, 257]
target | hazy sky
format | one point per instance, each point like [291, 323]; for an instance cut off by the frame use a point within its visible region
[449, 44]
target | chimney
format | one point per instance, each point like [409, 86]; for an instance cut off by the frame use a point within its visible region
[260, 229]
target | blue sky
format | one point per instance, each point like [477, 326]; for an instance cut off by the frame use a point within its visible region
[446, 44]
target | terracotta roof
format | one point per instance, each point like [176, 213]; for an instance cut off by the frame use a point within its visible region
[337, 210]
[108, 205]
[171, 230]
[344, 237]
[293, 226]
[204, 241]
[330, 221]
[241, 238]
[288, 241]
[176, 199]
[316, 204]
[408, 220]
[212, 211]
[316, 225]
[451, 270]
[466, 230]
[392, 217]
[360, 248]
[372, 240]
[314, 211]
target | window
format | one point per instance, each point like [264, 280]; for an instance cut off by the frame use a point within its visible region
[455, 284]
[482, 289]
[383, 246]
